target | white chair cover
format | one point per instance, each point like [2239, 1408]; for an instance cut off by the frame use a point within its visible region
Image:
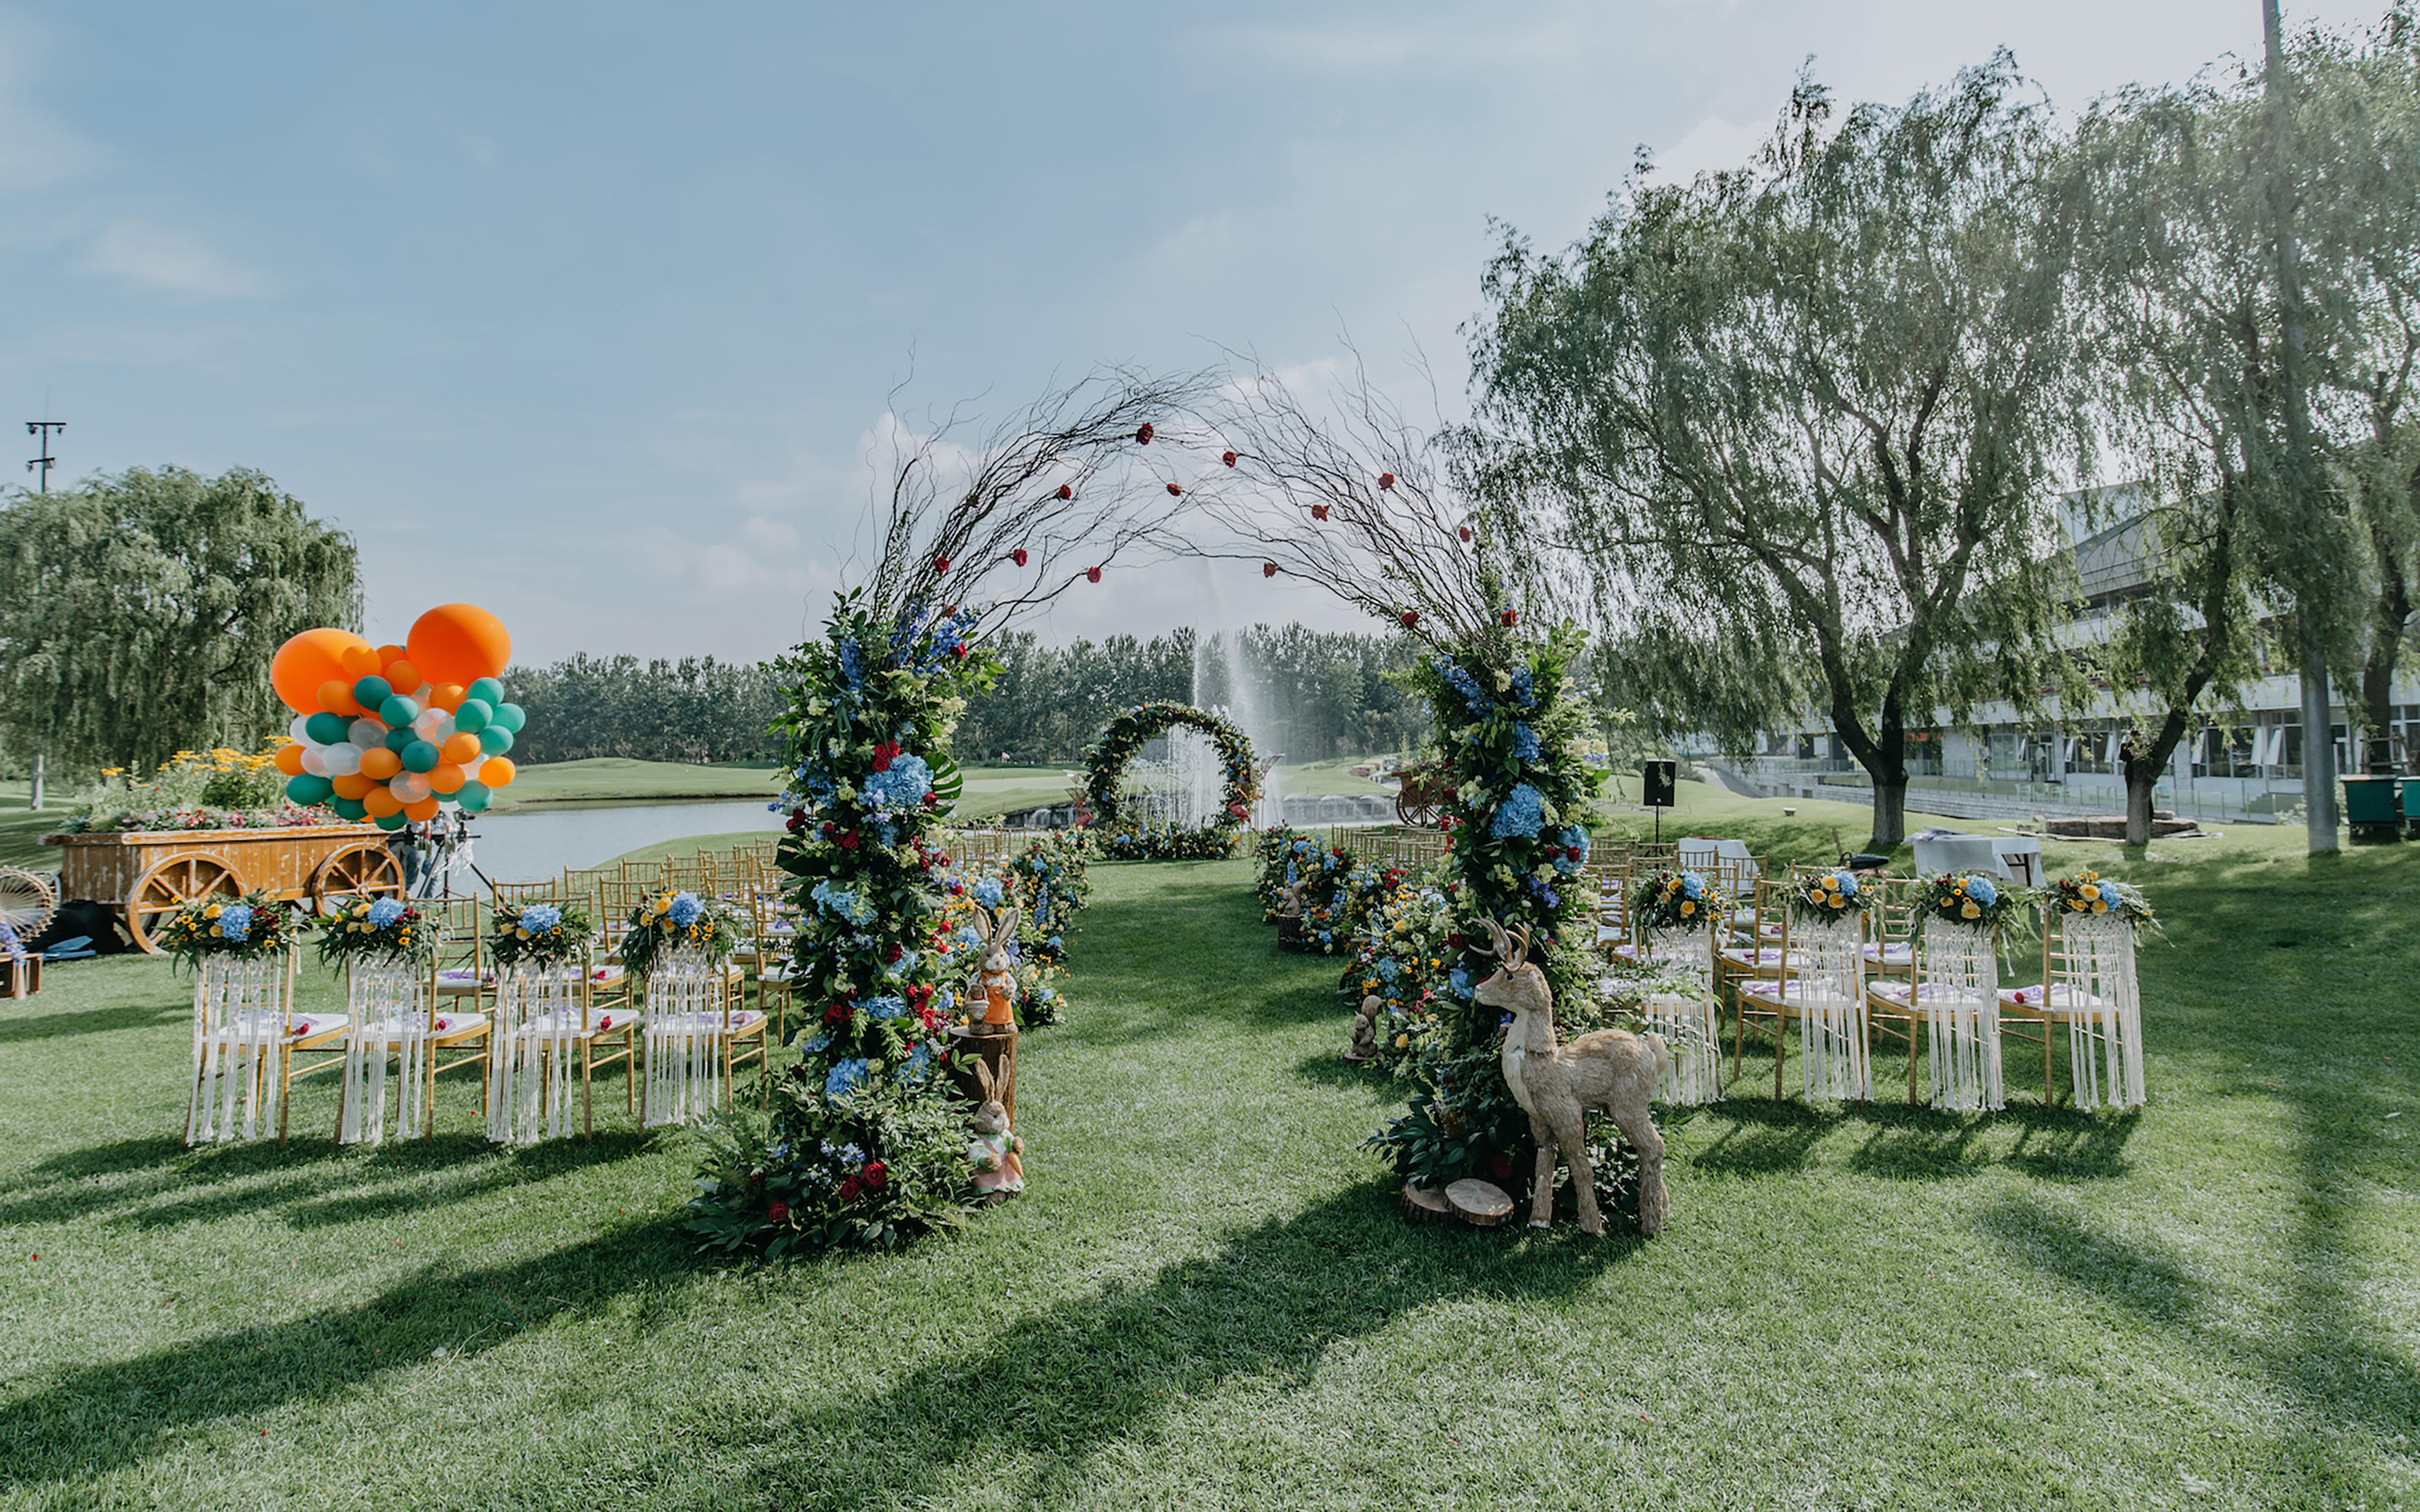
[1830, 991]
[1689, 1022]
[385, 1001]
[684, 1032]
[1960, 993]
[536, 1032]
[240, 1006]
[2104, 1025]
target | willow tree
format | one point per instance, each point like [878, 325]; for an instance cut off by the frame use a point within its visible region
[138, 612]
[1803, 420]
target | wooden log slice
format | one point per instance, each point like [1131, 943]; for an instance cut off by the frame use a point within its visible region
[1425, 1205]
[1480, 1204]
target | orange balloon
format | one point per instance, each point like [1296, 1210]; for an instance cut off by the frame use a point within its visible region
[446, 777]
[289, 760]
[336, 697]
[423, 809]
[496, 771]
[448, 696]
[379, 764]
[361, 661]
[461, 747]
[388, 654]
[304, 662]
[353, 785]
[459, 643]
[402, 676]
[380, 803]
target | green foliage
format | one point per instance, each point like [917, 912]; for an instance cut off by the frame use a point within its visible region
[253, 925]
[871, 1171]
[679, 922]
[1159, 839]
[145, 607]
[695, 709]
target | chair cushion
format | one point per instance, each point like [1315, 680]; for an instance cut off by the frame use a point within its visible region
[742, 1021]
[459, 981]
[2063, 997]
[1891, 953]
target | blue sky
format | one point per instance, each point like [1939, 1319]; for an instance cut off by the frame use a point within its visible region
[588, 312]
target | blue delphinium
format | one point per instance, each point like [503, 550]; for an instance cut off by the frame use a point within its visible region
[235, 921]
[1525, 689]
[385, 911]
[1522, 812]
[1459, 680]
[852, 668]
[684, 909]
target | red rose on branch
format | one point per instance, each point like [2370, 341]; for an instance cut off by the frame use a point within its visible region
[1175, 491]
[940, 564]
[1411, 618]
[1319, 511]
[1386, 480]
[1017, 556]
[1228, 457]
[1143, 437]
[1268, 569]
[1093, 575]
[1510, 617]
[1066, 490]
[1465, 533]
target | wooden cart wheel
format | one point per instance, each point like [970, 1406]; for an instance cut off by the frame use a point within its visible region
[27, 902]
[364, 870]
[1415, 815]
[170, 885]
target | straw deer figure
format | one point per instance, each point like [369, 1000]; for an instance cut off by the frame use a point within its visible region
[1611, 1070]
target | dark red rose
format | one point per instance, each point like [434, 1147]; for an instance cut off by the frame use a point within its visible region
[940, 564]
[1228, 457]
[1510, 617]
[1173, 491]
[1268, 569]
[1386, 480]
[1411, 618]
[1319, 511]
[1143, 437]
[849, 840]
[894, 954]
[1066, 491]
[798, 821]
[778, 1213]
[960, 650]
[1093, 575]
[875, 1176]
[849, 1189]
[1465, 533]
[839, 1012]
[1017, 556]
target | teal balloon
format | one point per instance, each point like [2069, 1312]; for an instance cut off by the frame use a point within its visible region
[327, 729]
[475, 796]
[372, 691]
[353, 808]
[393, 821]
[486, 690]
[495, 740]
[510, 716]
[397, 739]
[420, 756]
[398, 711]
[307, 790]
[473, 715]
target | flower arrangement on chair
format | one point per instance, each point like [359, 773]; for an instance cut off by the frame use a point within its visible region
[387, 931]
[1973, 900]
[539, 934]
[2088, 892]
[1827, 896]
[679, 922]
[1679, 900]
[248, 927]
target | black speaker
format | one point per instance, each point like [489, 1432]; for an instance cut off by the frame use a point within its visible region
[1659, 777]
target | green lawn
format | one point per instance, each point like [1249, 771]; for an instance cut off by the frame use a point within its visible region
[1207, 1299]
[22, 829]
[622, 780]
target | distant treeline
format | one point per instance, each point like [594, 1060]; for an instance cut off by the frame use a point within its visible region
[1309, 695]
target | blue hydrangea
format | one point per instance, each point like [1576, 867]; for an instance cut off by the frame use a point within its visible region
[986, 892]
[1459, 979]
[235, 921]
[1847, 882]
[1525, 743]
[1057, 943]
[1459, 680]
[885, 1008]
[1980, 889]
[1692, 884]
[843, 902]
[819, 1041]
[967, 936]
[539, 917]
[903, 786]
[1522, 812]
[1388, 970]
[684, 910]
[905, 963]
[845, 1076]
[918, 1061]
[1575, 841]
[945, 1000]
[385, 911]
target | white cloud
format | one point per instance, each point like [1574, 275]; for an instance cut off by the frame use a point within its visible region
[1711, 146]
[169, 261]
[770, 535]
[34, 150]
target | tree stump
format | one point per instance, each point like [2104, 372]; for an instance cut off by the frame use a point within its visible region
[1425, 1205]
[1480, 1204]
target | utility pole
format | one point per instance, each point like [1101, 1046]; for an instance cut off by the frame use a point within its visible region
[2319, 742]
[46, 461]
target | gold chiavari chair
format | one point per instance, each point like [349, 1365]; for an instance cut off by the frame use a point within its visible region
[462, 993]
[1818, 983]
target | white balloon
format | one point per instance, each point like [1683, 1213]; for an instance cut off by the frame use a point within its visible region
[315, 761]
[342, 759]
[411, 786]
[433, 725]
[301, 729]
[368, 732]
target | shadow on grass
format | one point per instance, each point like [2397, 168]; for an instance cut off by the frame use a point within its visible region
[91, 1021]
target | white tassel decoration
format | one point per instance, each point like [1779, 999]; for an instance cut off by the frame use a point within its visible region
[684, 1038]
[1830, 991]
[1961, 991]
[2104, 1026]
[386, 1018]
[1689, 1022]
[240, 1011]
[530, 1048]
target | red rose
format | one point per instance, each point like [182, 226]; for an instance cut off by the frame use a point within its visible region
[1017, 556]
[1465, 533]
[1173, 491]
[1268, 569]
[894, 954]
[778, 1213]
[1411, 617]
[1319, 511]
[1143, 437]
[849, 840]
[1066, 491]
[1510, 617]
[960, 650]
[1386, 480]
[1228, 457]
[838, 1013]
[940, 564]
[849, 1189]
[876, 1177]
[1094, 574]
[881, 763]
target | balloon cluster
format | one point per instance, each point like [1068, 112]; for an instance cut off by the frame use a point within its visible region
[393, 734]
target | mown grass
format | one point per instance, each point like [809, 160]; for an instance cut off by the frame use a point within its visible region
[1207, 1299]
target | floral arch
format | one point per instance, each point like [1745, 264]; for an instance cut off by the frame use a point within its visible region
[1105, 763]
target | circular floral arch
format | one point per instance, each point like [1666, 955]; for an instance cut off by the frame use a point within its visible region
[1106, 761]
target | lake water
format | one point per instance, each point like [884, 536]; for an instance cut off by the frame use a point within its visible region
[536, 844]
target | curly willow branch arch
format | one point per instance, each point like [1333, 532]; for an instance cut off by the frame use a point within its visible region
[1106, 761]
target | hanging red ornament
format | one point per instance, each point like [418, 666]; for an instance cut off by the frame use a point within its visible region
[940, 564]
[1228, 457]
[1093, 575]
[1066, 491]
[1465, 533]
[1510, 617]
[1268, 569]
[1143, 437]
[1386, 480]
[1319, 511]
[1173, 491]
[1411, 617]
[1017, 556]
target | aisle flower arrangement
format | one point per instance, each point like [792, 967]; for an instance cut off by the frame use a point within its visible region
[1039, 997]
[1052, 872]
[674, 920]
[1676, 899]
[1826, 896]
[254, 925]
[385, 930]
[2088, 892]
[1275, 850]
[1402, 949]
[1331, 923]
[1984, 902]
[539, 934]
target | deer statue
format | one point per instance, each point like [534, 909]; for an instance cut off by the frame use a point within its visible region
[1557, 1085]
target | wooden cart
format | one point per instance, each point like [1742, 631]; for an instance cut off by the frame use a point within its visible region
[1423, 795]
[148, 875]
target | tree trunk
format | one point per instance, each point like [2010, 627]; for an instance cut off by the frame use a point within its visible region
[1890, 815]
[2385, 646]
[2143, 767]
[2318, 751]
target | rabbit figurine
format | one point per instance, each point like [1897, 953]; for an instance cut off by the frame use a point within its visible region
[995, 981]
[1365, 1029]
[994, 1150]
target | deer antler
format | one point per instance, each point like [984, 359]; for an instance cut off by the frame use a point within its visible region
[1520, 951]
[1502, 948]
